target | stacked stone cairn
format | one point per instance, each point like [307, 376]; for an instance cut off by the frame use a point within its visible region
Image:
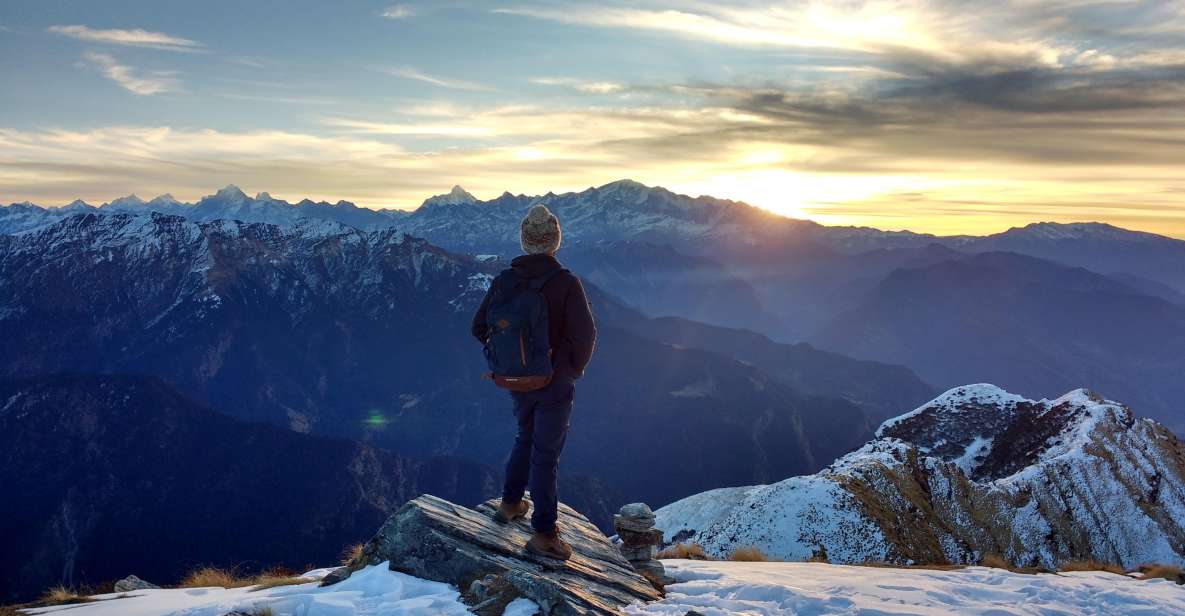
[640, 541]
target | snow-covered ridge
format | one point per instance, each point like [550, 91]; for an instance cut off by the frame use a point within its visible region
[977, 470]
[170, 258]
[620, 210]
[229, 203]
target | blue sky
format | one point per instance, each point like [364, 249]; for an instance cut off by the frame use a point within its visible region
[951, 116]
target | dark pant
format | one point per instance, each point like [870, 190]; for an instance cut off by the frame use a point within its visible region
[542, 429]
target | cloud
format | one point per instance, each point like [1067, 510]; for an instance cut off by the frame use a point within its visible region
[134, 38]
[155, 83]
[588, 87]
[398, 11]
[951, 116]
[408, 72]
[830, 159]
[990, 35]
[287, 100]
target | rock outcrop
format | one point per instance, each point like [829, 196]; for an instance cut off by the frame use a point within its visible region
[434, 539]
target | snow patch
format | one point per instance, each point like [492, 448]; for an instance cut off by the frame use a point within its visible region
[373, 591]
[810, 589]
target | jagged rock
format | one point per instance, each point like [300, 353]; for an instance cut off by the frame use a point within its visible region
[335, 576]
[131, 583]
[434, 539]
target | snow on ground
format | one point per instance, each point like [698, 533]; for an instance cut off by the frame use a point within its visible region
[712, 588]
[373, 591]
[720, 588]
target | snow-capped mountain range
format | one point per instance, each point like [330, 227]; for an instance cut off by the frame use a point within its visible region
[976, 471]
[628, 210]
[229, 203]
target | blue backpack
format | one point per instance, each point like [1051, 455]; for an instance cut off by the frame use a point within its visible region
[517, 347]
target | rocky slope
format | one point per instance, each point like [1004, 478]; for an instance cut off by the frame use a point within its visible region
[975, 471]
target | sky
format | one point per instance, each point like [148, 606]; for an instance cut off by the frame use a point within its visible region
[954, 116]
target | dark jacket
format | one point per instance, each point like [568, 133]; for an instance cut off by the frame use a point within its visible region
[570, 326]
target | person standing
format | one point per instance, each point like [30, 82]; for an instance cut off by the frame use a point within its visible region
[537, 330]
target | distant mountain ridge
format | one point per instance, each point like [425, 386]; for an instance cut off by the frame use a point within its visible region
[628, 210]
[976, 471]
[793, 274]
[1036, 325]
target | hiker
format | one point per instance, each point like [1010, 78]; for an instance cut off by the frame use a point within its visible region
[537, 331]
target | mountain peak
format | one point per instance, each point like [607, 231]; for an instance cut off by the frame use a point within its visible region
[165, 199]
[231, 193]
[78, 204]
[626, 184]
[955, 401]
[130, 200]
[263, 196]
[456, 196]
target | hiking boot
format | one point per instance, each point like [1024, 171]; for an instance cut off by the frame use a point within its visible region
[509, 512]
[550, 545]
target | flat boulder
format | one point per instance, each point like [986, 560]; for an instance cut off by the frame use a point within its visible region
[434, 539]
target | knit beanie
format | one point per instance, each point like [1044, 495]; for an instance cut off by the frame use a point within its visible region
[540, 232]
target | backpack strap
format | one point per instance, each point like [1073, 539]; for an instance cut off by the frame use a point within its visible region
[537, 283]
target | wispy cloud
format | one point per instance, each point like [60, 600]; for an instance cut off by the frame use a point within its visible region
[253, 62]
[157, 82]
[415, 74]
[941, 115]
[991, 35]
[588, 87]
[287, 100]
[133, 38]
[398, 11]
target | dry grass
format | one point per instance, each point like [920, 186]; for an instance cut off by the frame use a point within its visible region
[685, 551]
[61, 595]
[1090, 565]
[1172, 573]
[204, 577]
[352, 555]
[748, 554]
[995, 561]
